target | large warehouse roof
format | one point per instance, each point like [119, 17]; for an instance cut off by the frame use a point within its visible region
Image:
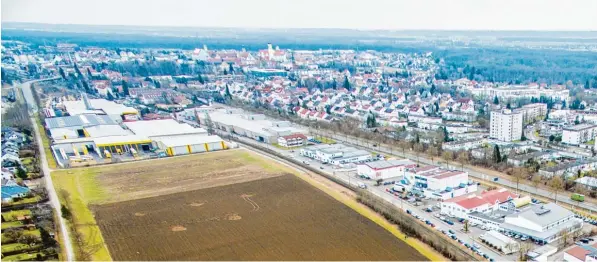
[107, 130]
[258, 126]
[79, 120]
[108, 107]
[163, 127]
[188, 140]
[120, 140]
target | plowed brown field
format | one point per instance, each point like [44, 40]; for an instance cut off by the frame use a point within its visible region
[275, 218]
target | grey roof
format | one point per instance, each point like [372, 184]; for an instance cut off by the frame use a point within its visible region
[532, 155]
[495, 216]
[579, 127]
[79, 120]
[587, 181]
[568, 165]
[554, 231]
[389, 163]
[544, 215]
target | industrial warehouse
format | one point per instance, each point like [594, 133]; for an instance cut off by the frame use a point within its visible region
[255, 126]
[90, 138]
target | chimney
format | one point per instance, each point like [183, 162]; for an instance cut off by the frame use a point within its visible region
[269, 46]
[205, 47]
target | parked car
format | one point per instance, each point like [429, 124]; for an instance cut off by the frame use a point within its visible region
[449, 222]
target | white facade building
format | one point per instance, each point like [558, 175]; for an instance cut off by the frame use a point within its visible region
[488, 201]
[385, 169]
[438, 183]
[292, 140]
[578, 134]
[506, 125]
[542, 223]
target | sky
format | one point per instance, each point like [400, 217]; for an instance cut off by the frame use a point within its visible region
[565, 15]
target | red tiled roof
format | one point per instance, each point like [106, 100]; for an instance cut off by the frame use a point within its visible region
[579, 252]
[472, 202]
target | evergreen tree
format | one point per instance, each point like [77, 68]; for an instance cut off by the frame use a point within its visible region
[65, 212]
[110, 97]
[230, 68]
[433, 89]
[587, 84]
[508, 106]
[496, 101]
[497, 157]
[200, 79]
[125, 88]
[209, 124]
[61, 71]
[21, 173]
[328, 109]
[78, 72]
[89, 74]
[334, 84]
[346, 83]
[227, 94]
[564, 104]
[446, 135]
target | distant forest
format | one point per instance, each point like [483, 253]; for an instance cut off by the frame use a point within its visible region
[487, 62]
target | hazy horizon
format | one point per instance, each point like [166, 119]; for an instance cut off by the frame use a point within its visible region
[397, 15]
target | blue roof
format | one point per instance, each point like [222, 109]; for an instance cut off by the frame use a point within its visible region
[10, 191]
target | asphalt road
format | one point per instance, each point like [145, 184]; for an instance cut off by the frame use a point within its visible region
[54, 201]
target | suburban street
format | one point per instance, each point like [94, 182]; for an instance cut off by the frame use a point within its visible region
[53, 196]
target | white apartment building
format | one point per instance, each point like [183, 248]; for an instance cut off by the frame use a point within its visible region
[532, 111]
[506, 125]
[578, 134]
[521, 92]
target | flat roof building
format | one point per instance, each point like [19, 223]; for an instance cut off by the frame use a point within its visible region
[542, 223]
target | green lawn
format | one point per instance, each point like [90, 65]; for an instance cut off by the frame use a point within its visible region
[46, 143]
[22, 257]
[326, 140]
[34, 232]
[12, 215]
[18, 247]
[27, 160]
[28, 200]
[11, 224]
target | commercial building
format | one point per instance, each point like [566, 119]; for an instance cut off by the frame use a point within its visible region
[255, 126]
[337, 154]
[542, 223]
[487, 202]
[183, 145]
[506, 125]
[438, 183]
[77, 126]
[500, 242]
[578, 134]
[85, 106]
[581, 253]
[541, 253]
[385, 169]
[292, 140]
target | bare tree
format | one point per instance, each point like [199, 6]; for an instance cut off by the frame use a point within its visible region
[556, 184]
[448, 156]
[463, 157]
[535, 181]
[565, 237]
[519, 174]
[433, 152]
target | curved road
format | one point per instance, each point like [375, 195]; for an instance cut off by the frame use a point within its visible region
[54, 201]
